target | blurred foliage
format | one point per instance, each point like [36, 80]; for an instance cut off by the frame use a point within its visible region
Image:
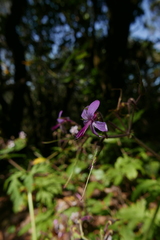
[122, 196]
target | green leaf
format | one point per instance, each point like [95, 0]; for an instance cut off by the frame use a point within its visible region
[128, 166]
[28, 182]
[11, 229]
[44, 221]
[81, 55]
[131, 172]
[70, 210]
[127, 233]
[5, 151]
[93, 186]
[80, 67]
[138, 115]
[44, 197]
[94, 206]
[24, 229]
[13, 186]
[67, 79]
[19, 144]
[125, 166]
[76, 167]
[151, 186]
[98, 173]
[108, 199]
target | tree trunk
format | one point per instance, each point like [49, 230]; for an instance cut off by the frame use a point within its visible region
[121, 15]
[13, 126]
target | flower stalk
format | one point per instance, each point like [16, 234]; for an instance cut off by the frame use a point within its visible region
[97, 151]
[31, 212]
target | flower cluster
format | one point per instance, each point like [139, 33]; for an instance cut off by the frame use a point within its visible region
[90, 119]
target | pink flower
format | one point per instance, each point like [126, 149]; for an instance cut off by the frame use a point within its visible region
[61, 121]
[90, 119]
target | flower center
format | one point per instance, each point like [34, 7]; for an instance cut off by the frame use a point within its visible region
[94, 117]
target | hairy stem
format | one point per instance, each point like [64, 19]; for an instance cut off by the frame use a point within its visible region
[97, 151]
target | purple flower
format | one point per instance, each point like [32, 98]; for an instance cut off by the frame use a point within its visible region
[89, 119]
[61, 121]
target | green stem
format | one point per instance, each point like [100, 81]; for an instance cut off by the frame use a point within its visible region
[130, 121]
[31, 212]
[75, 163]
[73, 170]
[81, 231]
[93, 161]
[148, 232]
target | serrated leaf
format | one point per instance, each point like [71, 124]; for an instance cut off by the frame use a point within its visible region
[44, 197]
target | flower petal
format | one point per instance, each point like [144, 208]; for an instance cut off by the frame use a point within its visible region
[93, 130]
[89, 111]
[55, 127]
[83, 130]
[60, 114]
[101, 126]
[92, 108]
[59, 119]
[84, 114]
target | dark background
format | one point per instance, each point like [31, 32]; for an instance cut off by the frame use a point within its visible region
[61, 55]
